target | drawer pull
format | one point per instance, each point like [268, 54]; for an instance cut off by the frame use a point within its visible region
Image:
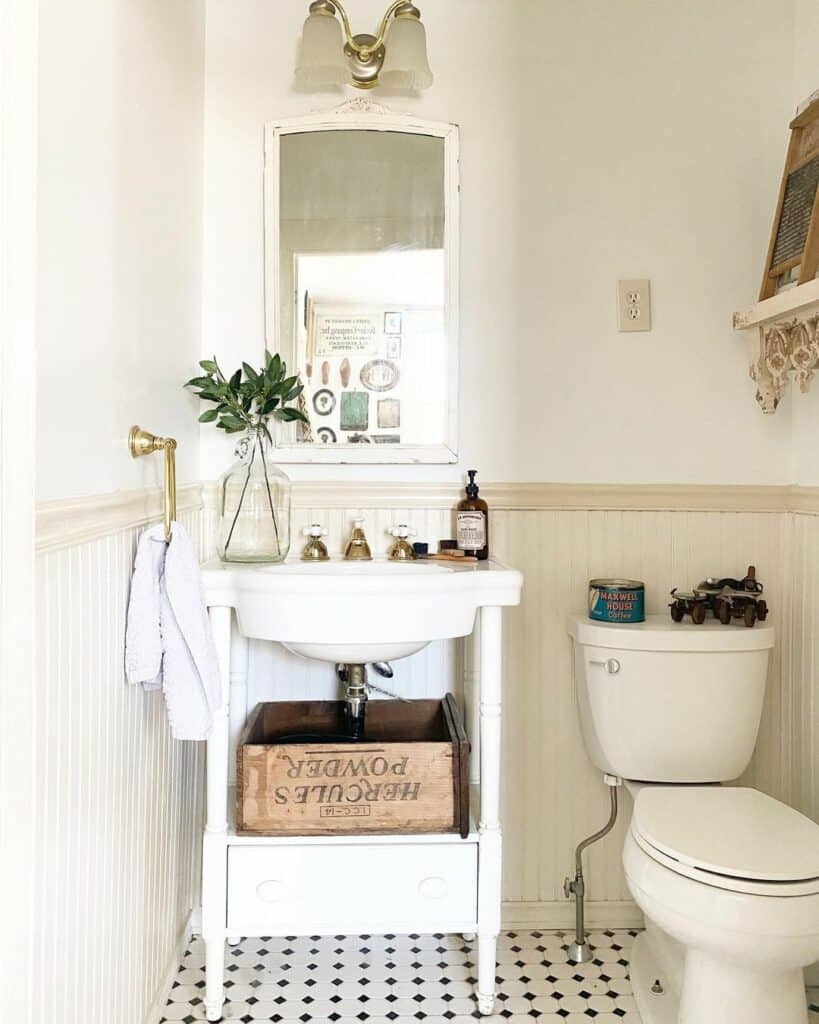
[271, 891]
[432, 888]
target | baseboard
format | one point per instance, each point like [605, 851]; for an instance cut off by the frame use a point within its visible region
[532, 914]
[156, 1012]
[559, 914]
[548, 914]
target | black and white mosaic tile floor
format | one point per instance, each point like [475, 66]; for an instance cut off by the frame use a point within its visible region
[378, 979]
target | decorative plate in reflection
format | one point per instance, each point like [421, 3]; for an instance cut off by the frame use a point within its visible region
[379, 375]
[326, 435]
[324, 401]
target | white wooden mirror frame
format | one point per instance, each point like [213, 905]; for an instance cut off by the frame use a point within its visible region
[363, 114]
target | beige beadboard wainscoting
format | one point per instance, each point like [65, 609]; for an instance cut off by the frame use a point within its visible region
[139, 790]
[804, 671]
[560, 536]
[553, 797]
[117, 845]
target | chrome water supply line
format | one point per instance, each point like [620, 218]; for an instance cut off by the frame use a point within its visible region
[354, 678]
[580, 951]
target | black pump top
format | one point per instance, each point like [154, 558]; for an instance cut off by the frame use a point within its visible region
[472, 487]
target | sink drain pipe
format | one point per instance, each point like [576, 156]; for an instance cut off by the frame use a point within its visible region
[580, 951]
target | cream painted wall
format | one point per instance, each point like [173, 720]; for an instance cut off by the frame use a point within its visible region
[557, 203]
[121, 108]
[806, 65]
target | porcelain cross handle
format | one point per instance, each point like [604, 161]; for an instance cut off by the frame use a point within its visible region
[402, 530]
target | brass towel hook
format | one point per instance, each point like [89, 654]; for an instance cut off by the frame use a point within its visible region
[142, 442]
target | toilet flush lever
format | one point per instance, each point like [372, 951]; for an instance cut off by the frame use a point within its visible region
[611, 665]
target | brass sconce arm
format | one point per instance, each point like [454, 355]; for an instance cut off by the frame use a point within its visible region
[142, 442]
[364, 56]
[363, 49]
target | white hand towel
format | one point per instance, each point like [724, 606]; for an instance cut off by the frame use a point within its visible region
[168, 640]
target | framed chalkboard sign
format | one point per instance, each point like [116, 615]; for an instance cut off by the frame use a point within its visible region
[793, 253]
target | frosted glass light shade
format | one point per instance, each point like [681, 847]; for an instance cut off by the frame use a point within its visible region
[321, 58]
[405, 63]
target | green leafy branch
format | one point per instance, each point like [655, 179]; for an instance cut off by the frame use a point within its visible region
[248, 398]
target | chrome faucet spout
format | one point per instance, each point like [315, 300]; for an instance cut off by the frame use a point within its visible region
[357, 548]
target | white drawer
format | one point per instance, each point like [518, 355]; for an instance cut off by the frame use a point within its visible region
[350, 889]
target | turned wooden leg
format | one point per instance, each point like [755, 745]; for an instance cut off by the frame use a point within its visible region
[239, 658]
[489, 874]
[214, 978]
[472, 699]
[219, 738]
[487, 960]
[214, 843]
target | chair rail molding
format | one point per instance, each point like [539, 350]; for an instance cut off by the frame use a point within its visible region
[534, 496]
[66, 522]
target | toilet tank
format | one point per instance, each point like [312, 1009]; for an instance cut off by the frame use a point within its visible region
[661, 701]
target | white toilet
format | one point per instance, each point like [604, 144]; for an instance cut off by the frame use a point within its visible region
[727, 878]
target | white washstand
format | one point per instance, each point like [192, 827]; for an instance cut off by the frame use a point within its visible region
[355, 612]
[727, 877]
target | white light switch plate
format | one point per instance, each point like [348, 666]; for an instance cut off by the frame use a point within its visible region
[634, 305]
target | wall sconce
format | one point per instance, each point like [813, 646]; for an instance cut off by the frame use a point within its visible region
[331, 54]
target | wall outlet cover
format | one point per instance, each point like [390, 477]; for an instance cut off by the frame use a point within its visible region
[634, 304]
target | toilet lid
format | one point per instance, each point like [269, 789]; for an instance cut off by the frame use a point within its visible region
[730, 831]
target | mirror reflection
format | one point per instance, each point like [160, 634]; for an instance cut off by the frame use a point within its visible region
[362, 312]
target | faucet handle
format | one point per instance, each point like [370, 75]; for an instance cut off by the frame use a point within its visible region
[315, 550]
[402, 531]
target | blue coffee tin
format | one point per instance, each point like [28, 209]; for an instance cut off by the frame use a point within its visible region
[617, 600]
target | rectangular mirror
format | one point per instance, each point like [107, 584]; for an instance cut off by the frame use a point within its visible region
[361, 270]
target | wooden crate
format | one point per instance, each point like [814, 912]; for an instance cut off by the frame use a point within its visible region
[410, 775]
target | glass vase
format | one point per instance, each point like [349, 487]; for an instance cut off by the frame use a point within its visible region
[254, 505]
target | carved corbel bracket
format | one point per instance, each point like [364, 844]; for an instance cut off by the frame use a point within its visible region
[784, 347]
[788, 326]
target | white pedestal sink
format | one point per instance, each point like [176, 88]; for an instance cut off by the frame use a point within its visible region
[355, 612]
[341, 611]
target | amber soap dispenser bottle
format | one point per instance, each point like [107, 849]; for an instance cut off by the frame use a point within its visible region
[472, 521]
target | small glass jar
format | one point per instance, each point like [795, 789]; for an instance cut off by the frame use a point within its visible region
[254, 504]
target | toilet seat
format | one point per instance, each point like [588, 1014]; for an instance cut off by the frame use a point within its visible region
[729, 837]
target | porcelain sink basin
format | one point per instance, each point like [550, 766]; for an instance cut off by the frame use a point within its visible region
[377, 567]
[357, 612]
